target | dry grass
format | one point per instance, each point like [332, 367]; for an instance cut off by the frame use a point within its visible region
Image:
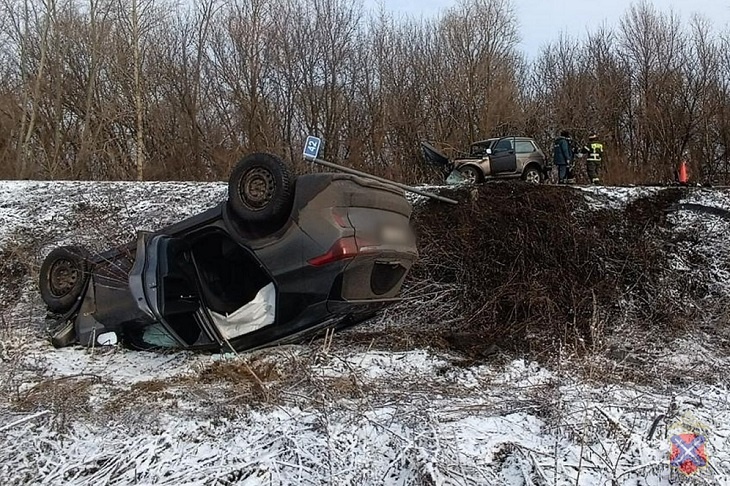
[514, 268]
[531, 269]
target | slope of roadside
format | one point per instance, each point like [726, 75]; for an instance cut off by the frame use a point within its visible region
[486, 374]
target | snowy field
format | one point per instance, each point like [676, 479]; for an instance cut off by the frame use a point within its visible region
[331, 413]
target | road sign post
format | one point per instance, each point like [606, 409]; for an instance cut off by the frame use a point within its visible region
[311, 150]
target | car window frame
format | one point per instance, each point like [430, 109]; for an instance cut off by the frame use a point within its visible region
[509, 150]
[482, 153]
[532, 144]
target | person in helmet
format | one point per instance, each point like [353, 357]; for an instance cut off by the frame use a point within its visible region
[594, 158]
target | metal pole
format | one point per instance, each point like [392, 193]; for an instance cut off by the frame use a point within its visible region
[380, 179]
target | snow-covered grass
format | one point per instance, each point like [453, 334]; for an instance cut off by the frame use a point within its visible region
[404, 423]
[705, 257]
[602, 197]
[328, 412]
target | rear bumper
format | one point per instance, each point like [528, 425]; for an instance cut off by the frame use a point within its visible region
[377, 277]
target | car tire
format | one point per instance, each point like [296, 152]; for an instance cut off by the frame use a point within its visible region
[472, 175]
[261, 190]
[63, 277]
[533, 175]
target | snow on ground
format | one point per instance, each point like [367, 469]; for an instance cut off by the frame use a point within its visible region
[116, 210]
[325, 413]
[614, 197]
[127, 368]
[711, 232]
[521, 424]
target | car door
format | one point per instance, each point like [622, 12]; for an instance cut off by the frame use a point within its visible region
[502, 160]
[172, 293]
[526, 152]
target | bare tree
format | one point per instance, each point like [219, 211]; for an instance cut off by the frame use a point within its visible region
[136, 89]
[184, 134]
[29, 32]
[650, 45]
[699, 98]
[240, 62]
[137, 19]
[479, 58]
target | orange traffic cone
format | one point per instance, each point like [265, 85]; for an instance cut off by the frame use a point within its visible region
[683, 176]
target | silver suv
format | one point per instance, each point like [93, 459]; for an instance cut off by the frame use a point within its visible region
[504, 157]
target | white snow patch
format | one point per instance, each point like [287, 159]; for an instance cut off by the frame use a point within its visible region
[374, 365]
[116, 364]
[609, 197]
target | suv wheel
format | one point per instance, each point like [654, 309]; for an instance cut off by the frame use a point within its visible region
[533, 175]
[470, 174]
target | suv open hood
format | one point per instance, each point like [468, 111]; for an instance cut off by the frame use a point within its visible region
[436, 158]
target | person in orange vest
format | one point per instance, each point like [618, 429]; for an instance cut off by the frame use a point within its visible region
[682, 174]
[594, 158]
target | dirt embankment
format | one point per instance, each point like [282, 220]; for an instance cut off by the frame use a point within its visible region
[535, 268]
[515, 267]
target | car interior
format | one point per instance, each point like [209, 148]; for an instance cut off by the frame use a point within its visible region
[212, 271]
[503, 145]
[230, 275]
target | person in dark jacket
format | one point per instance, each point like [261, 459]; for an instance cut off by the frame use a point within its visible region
[563, 156]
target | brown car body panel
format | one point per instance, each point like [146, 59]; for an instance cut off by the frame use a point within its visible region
[499, 157]
[518, 159]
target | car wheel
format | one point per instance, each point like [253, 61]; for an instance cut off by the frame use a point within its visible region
[63, 277]
[533, 175]
[471, 174]
[261, 190]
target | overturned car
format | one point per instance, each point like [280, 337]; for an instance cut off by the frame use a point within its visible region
[282, 258]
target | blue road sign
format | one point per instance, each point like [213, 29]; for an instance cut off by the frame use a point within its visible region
[311, 147]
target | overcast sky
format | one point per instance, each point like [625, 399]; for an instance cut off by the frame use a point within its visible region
[541, 21]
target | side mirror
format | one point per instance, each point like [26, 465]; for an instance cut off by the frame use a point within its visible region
[489, 151]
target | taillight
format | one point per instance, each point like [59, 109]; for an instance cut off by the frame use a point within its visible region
[342, 249]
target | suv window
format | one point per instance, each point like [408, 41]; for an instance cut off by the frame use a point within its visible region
[524, 147]
[503, 145]
[478, 150]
